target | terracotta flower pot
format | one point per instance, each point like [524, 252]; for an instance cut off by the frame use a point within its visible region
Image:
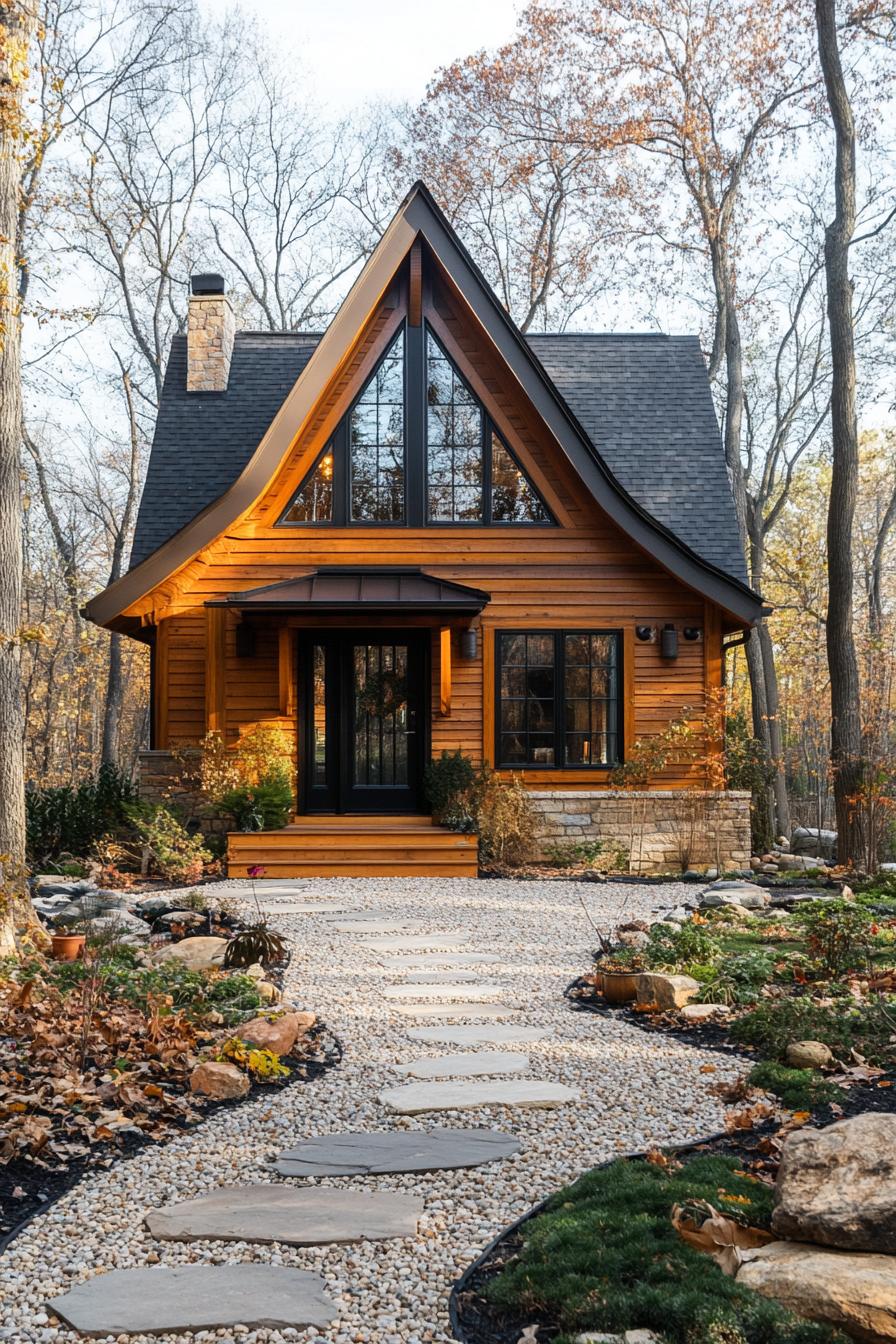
[619, 986]
[67, 946]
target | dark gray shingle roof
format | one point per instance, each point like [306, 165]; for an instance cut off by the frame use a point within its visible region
[644, 401]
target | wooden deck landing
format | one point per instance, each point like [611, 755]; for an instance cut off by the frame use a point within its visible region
[354, 847]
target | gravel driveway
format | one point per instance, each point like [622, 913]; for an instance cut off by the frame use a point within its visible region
[636, 1090]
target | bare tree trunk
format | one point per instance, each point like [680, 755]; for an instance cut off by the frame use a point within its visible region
[875, 581]
[114, 681]
[17, 26]
[775, 734]
[846, 724]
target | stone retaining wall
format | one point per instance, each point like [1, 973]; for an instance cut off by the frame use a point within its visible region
[664, 830]
[170, 777]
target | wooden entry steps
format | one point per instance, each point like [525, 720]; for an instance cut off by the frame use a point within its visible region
[354, 847]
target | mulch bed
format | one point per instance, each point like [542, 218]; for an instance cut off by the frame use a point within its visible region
[29, 1188]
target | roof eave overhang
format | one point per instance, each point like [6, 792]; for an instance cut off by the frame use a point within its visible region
[420, 216]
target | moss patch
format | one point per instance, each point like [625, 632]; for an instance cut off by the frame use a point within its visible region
[604, 1257]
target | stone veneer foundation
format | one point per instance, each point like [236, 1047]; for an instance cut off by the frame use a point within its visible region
[664, 830]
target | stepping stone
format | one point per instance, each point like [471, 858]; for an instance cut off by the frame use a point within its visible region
[443, 959]
[195, 1297]
[454, 1012]
[473, 1065]
[484, 1034]
[306, 1217]
[294, 908]
[421, 940]
[442, 990]
[336, 913]
[437, 977]
[375, 926]
[399, 1150]
[415, 1098]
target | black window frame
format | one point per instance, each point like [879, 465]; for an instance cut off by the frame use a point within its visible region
[416, 460]
[559, 637]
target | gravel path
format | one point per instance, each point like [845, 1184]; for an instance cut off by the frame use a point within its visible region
[636, 1090]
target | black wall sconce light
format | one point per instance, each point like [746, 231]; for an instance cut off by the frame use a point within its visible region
[468, 645]
[645, 633]
[245, 640]
[668, 642]
[692, 633]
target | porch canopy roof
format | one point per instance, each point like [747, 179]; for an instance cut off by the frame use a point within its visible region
[374, 590]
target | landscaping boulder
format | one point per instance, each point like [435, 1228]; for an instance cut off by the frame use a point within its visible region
[809, 1055]
[279, 1034]
[221, 1081]
[704, 1012]
[800, 863]
[269, 993]
[191, 919]
[197, 954]
[734, 891]
[855, 1292]
[814, 843]
[633, 938]
[120, 922]
[837, 1186]
[152, 907]
[666, 991]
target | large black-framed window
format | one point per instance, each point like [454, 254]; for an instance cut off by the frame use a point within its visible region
[558, 699]
[417, 448]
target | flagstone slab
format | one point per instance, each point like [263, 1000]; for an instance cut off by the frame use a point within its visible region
[474, 1064]
[443, 959]
[416, 1098]
[306, 1217]
[157, 1300]
[454, 1012]
[486, 1033]
[298, 908]
[418, 940]
[444, 990]
[438, 977]
[396, 1150]
[375, 926]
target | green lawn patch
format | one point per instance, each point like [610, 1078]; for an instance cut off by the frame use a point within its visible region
[604, 1256]
[798, 1089]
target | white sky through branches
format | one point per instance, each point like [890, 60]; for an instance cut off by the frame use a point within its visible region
[352, 51]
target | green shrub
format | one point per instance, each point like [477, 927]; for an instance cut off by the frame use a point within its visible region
[740, 978]
[798, 1089]
[175, 854]
[576, 853]
[842, 1026]
[71, 819]
[194, 992]
[682, 946]
[448, 784]
[264, 806]
[604, 1256]
[838, 934]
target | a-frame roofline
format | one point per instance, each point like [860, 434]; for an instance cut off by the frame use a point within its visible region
[419, 215]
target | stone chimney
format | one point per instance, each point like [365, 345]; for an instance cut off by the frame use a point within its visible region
[210, 331]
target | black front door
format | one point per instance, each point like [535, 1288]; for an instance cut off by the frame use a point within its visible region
[364, 722]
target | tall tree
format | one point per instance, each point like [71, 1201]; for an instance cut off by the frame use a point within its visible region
[18, 21]
[843, 666]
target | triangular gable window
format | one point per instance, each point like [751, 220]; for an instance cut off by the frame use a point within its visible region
[514, 497]
[313, 501]
[416, 449]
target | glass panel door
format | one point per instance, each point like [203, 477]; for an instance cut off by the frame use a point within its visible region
[365, 731]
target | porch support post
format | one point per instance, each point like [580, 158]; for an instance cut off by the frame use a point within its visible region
[445, 672]
[286, 671]
[215, 655]
[160, 686]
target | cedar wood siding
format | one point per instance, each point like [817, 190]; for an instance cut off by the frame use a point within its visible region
[581, 574]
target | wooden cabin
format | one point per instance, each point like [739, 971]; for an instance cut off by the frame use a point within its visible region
[422, 530]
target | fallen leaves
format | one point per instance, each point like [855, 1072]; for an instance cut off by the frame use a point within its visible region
[707, 1230]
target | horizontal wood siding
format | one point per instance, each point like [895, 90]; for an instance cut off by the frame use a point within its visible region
[582, 574]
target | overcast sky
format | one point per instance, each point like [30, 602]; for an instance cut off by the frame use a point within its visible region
[354, 50]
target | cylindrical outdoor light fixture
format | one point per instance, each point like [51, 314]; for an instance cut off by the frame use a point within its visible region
[468, 645]
[668, 642]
